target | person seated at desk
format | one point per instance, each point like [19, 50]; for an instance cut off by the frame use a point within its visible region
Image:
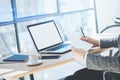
[98, 67]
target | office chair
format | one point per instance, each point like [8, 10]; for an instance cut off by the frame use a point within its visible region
[107, 75]
[112, 29]
[117, 20]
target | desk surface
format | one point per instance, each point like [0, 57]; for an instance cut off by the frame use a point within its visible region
[11, 71]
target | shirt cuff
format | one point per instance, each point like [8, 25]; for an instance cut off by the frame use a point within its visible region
[85, 59]
[99, 43]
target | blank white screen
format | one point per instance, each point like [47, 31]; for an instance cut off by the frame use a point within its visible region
[45, 35]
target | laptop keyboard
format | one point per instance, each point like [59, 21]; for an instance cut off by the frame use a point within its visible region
[66, 47]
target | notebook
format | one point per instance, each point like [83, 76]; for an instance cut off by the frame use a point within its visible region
[47, 38]
[16, 58]
[74, 37]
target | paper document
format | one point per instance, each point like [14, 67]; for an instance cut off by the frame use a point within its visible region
[74, 37]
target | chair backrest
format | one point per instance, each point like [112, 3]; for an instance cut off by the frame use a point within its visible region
[112, 29]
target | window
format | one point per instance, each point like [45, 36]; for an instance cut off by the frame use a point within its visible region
[5, 11]
[26, 43]
[35, 7]
[8, 39]
[74, 5]
[17, 14]
[82, 19]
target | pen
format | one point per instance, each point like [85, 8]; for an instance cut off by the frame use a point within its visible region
[82, 31]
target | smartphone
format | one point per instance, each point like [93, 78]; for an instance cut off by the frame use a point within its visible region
[50, 57]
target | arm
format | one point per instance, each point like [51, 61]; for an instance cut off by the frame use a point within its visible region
[109, 42]
[105, 63]
[104, 42]
[98, 62]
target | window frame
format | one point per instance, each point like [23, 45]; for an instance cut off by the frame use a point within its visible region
[22, 19]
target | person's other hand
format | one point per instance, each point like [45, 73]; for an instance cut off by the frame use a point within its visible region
[79, 54]
[97, 50]
[91, 40]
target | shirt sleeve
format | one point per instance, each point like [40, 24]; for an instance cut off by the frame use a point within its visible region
[109, 42]
[85, 58]
[98, 62]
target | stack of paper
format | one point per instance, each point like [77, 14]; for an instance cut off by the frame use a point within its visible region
[74, 37]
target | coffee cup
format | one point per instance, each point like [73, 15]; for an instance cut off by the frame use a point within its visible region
[33, 59]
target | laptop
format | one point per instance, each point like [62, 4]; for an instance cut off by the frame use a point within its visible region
[47, 38]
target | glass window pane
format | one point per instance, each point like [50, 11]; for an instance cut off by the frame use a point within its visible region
[5, 11]
[73, 5]
[25, 40]
[75, 21]
[35, 7]
[7, 40]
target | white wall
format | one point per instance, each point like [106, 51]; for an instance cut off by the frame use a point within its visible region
[106, 12]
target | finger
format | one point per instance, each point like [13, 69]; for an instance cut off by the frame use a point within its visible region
[84, 38]
[90, 50]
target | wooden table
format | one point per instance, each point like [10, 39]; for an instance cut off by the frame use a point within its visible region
[12, 71]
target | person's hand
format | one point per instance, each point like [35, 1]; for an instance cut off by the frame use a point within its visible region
[97, 50]
[91, 40]
[79, 54]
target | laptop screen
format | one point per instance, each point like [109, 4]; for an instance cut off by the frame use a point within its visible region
[44, 35]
